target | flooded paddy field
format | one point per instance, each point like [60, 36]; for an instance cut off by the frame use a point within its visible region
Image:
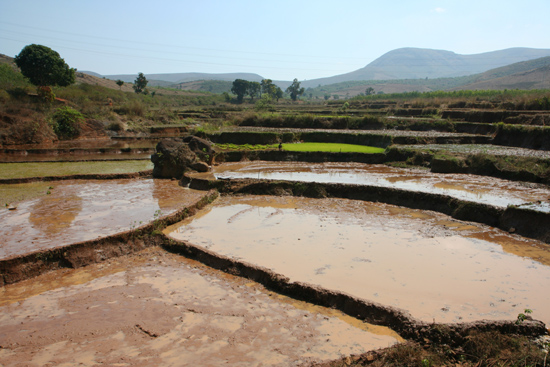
[482, 149]
[17, 170]
[80, 150]
[156, 308]
[86, 144]
[481, 189]
[390, 132]
[79, 210]
[437, 268]
[80, 156]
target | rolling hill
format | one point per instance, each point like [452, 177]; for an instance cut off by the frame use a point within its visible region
[176, 78]
[532, 74]
[418, 63]
[400, 70]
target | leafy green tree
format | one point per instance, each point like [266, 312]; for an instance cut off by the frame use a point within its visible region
[264, 103]
[44, 66]
[120, 83]
[267, 85]
[253, 89]
[278, 93]
[294, 90]
[369, 91]
[274, 91]
[140, 84]
[240, 88]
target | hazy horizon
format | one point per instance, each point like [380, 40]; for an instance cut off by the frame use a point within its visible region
[281, 40]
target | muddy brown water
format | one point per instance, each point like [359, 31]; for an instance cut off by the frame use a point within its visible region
[79, 210]
[437, 268]
[481, 189]
[159, 309]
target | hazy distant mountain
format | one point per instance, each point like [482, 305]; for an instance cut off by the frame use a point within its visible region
[418, 63]
[176, 78]
[532, 74]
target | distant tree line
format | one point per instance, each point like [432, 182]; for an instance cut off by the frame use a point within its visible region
[242, 88]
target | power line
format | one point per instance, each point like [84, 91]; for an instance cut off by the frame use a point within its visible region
[174, 60]
[181, 47]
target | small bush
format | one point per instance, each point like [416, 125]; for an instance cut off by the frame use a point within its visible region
[133, 108]
[10, 78]
[67, 122]
[115, 126]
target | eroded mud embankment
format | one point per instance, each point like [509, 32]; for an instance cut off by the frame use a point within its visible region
[81, 254]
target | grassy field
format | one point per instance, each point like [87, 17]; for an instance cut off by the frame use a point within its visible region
[331, 147]
[43, 169]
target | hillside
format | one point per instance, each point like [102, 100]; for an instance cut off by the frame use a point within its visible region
[416, 63]
[533, 79]
[532, 74]
[175, 78]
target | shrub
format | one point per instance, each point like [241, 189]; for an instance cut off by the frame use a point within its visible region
[11, 78]
[67, 122]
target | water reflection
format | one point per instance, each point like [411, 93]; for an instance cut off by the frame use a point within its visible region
[412, 259]
[487, 190]
[80, 210]
[53, 213]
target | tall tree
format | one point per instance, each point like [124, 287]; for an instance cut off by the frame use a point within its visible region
[240, 88]
[120, 83]
[266, 85]
[294, 90]
[253, 89]
[140, 84]
[277, 92]
[44, 66]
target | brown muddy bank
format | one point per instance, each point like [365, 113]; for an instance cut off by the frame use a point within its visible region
[157, 308]
[511, 219]
[90, 176]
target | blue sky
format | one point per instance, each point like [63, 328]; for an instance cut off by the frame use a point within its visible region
[280, 40]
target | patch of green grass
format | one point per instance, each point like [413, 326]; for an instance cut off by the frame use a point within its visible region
[11, 194]
[331, 147]
[44, 169]
[246, 146]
